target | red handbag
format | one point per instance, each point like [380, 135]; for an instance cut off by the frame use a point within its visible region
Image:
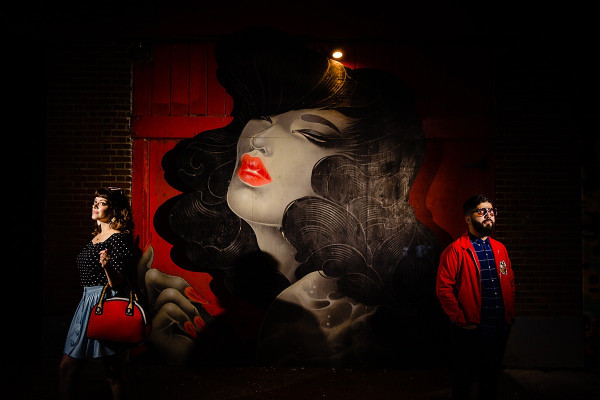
[117, 319]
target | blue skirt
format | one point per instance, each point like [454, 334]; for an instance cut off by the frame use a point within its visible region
[77, 344]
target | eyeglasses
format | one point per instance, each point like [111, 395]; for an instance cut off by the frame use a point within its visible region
[482, 212]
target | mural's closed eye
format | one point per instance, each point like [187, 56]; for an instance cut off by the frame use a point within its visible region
[312, 135]
[320, 120]
[321, 130]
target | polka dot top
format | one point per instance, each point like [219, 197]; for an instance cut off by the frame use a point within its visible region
[91, 272]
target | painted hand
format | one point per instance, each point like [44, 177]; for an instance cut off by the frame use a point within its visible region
[178, 316]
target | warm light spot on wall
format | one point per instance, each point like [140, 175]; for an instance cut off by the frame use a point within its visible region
[337, 54]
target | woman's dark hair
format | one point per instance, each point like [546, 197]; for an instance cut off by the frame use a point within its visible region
[363, 230]
[119, 208]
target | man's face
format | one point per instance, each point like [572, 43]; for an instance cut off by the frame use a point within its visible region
[482, 219]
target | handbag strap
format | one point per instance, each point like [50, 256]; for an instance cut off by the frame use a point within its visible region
[128, 310]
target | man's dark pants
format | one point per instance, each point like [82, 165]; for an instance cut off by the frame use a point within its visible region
[475, 356]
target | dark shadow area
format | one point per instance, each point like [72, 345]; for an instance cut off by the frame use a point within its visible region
[254, 278]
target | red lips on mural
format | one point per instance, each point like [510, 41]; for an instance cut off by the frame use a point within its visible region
[253, 172]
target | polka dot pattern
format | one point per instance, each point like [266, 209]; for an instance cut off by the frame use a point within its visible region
[119, 249]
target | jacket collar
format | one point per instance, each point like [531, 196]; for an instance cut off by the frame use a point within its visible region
[465, 241]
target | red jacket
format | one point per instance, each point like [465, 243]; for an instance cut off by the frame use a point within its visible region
[458, 284]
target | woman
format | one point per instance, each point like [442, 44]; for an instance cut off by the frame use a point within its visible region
[105, 259]
[303, 202]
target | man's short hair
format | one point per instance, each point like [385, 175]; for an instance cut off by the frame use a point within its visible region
[473, 201]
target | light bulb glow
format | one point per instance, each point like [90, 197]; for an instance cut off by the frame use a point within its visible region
[337, 54]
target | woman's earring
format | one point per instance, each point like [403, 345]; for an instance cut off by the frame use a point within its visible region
[263, 149]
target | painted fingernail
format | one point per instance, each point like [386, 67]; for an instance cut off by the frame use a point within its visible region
[193, 295]
[189, 328]
[199, 322]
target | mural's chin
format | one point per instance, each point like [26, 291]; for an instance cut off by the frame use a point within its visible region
[254, 204]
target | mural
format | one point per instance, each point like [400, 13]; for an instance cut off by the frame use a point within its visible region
[299, 210]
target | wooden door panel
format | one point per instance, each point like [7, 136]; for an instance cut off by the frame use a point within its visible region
[198, 79]
[161, 80]
[180, 79]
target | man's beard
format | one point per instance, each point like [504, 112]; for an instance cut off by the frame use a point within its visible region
[483, 230]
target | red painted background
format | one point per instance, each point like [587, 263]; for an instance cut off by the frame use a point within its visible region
[177, 95]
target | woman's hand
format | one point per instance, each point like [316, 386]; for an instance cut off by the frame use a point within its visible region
[104, 258]
[114, 277]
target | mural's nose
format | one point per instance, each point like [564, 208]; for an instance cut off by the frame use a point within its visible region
[259, 144]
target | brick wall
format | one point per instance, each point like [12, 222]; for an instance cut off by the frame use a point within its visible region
[538, 188]
[89, 88]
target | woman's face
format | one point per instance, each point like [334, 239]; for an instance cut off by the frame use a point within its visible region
[100, 210]
[275, 159]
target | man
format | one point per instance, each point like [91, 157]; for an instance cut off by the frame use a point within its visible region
[475, 286]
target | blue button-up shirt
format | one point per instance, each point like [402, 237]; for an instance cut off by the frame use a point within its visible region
[492, 304]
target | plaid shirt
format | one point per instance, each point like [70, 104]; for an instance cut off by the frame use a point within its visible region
[492, 305]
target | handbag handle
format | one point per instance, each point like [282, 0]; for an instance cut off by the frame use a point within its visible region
[128, 310]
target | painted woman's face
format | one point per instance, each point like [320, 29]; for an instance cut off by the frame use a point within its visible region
[275, 159]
